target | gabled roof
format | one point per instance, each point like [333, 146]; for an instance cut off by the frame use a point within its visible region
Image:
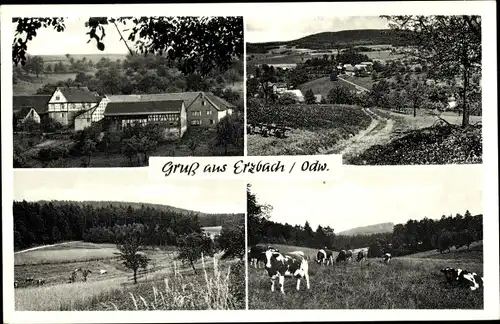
[79, 94]
[186, 97]
[143, 107]
[38, 102]
[22, 112]
[219, 103]
[83, 112]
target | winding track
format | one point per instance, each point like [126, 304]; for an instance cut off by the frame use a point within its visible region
[44, 246]
[377, 132]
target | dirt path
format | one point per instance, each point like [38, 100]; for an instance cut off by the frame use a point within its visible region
[378, 132]
[354, 84]
[44, 246]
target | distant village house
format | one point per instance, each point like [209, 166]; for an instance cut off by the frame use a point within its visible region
[29, 108]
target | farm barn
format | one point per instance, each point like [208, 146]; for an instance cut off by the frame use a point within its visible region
[171, 114]
[68, 102]
[29, 107]
[202, 108]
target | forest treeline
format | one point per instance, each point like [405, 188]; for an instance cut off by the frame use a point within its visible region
[414, 236]
[38, 223]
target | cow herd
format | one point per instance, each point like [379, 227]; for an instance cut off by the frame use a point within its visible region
[30, 281]
[72, 277]
[295, 264]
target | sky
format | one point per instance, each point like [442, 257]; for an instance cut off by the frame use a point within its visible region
[73, 40]
[367, 196]
[130, 185]
[284, 28]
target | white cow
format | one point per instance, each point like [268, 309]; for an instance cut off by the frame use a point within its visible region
[103, 271]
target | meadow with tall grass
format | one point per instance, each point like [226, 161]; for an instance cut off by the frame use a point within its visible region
[165, 285]
[405, 283]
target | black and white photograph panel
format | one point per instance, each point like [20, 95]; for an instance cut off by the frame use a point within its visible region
[99, 241]
[110, 92]
[385, 239]
[380, 90]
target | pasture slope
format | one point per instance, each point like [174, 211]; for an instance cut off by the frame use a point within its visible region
[167, 284]
[409, 282]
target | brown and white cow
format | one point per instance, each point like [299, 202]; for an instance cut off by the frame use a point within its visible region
[362, 255]
[463, 278]
[324, 257]
[293, 264]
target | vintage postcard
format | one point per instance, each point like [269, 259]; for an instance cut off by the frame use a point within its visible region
[243, 162]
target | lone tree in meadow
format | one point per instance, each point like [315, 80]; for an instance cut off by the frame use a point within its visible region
[451, 46]
[130, 241]
[191, 246]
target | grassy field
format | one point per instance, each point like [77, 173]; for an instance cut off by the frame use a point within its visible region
[324, 85]
[406, 283]
[167, 284]
[318, 128]
[29, 84]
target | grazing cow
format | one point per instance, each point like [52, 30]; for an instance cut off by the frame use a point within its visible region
[344, 256]
[72, 277]
[29, 280]
[362, 255]
[349, 255]
[387, 257]
[291, 264]
[257, 252]
[85, 273]
[16, 284]
[40, 282]
[463, 278]
[324, 257]
[103, 271]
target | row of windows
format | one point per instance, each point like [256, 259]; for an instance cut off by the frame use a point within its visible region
[197, 113]
[73, 106]
[199, 122]
[165, 117]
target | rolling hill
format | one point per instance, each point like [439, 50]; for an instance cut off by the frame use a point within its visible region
[367, 230]
[337, 39]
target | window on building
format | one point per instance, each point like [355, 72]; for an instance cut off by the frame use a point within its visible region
[203, 103]
[196, 122]
[196, 113]
[72, 106]
[58, 97]
[212, 121]
[209, 112]
[88, 120]
[62, 115]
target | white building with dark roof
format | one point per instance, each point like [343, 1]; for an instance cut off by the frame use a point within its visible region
[68, 102]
